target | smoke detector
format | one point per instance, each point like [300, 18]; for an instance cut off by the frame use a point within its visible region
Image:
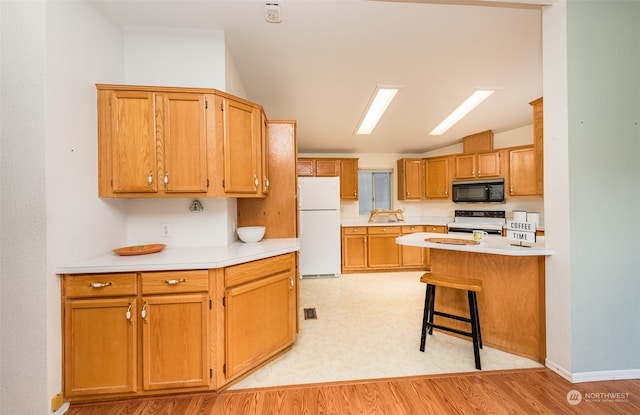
[272, 13]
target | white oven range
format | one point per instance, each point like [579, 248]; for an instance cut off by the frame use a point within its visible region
[490, 221]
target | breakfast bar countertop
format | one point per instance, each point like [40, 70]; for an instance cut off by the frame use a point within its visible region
[492, 244]
[184, 258]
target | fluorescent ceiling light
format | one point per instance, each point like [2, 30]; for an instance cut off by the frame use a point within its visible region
[473, 101]
[379, 104]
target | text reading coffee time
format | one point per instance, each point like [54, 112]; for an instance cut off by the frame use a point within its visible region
[521, 231]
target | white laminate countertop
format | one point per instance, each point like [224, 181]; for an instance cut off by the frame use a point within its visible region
[184, 258]
[408, 221]
[493, 244]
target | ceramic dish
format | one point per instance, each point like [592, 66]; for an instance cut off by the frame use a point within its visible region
[139, 249]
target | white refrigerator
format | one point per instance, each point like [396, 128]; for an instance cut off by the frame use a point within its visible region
[319, 226]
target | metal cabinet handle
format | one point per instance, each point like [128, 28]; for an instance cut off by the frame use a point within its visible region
[100, 284]
[128, 313]
[143, 313]
[166, 180]
[291, 283]
[266, 182]
[150, 179]
[255, 182]
[174, 282]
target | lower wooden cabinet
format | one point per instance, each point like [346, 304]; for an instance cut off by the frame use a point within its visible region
[374, 248]
[382, 249]
[412, 256]
[150, 333]
[105, 315]
[260, 310]
[354, 248]
[100, 346]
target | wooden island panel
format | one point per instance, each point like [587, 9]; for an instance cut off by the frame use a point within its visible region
[510, 305]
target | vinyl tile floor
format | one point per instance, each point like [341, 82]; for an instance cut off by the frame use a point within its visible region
[368, 327]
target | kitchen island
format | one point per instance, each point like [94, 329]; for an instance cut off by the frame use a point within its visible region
[512, 301]
[179, 320]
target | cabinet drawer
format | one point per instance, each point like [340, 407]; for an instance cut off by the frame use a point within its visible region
[412, 229]
[242, 273]
[384, 230]
[165, 282]
[100, 285]
[436, 228]
[361, 230]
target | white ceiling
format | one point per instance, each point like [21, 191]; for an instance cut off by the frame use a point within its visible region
[321, 64]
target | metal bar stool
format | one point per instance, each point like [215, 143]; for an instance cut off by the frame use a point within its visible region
[472, 286]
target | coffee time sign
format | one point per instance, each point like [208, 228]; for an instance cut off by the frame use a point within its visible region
[521, 231]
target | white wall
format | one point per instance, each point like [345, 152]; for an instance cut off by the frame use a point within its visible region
[603, 121]
[23, 298]
[175, 57]
[189, 58]
[375, 161]
[556, 204]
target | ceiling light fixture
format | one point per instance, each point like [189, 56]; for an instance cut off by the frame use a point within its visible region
[473, 101]
[377, 106]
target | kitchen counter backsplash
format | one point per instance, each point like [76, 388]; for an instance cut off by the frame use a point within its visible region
[389, 221]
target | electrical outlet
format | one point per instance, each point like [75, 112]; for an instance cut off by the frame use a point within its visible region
[164, 230]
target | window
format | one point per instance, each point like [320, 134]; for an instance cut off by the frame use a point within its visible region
[374, 187]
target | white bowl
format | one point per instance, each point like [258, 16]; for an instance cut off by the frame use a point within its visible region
[249, 234]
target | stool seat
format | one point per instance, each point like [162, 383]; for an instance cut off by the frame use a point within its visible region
[467, 284]
[471, 286]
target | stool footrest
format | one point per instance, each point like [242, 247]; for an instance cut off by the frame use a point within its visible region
[451, 316]
[451, 330]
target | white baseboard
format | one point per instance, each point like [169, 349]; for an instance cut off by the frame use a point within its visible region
[63, 408]
[558, 369]
[599, 376]
[606, 375]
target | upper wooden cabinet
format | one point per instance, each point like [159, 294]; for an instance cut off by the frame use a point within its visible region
[474, 166]
[323, 167]
[349, 179]
[178, 142]
[522, 172]
[410, 179]
[345, 168]
[538, 143]
[242, 146]
[152, 143]
[437, 177]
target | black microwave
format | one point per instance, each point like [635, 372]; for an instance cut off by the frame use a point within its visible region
[478, 191]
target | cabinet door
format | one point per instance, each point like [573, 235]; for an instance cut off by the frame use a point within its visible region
[327, 167]
[184, 140]
[100, 346]
[306, 167]
[354, 251]
[522, 174]
[437, 180]
[259, 321]
[133, 142]
[175, 344]
[349, 179]
[488, 164]
[241, 142]
[382, 250]
[410, 179]
[466, 166]
[412, 256]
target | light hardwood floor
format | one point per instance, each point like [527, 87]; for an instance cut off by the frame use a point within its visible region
[522, 391]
